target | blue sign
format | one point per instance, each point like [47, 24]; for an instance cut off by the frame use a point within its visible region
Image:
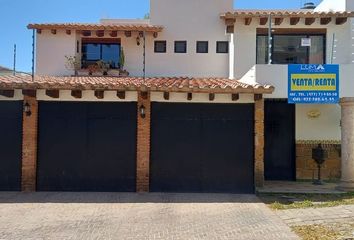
[311, 83]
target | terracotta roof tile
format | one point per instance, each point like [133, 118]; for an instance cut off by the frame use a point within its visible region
[285, 13]
[98, 26]
[168, 84]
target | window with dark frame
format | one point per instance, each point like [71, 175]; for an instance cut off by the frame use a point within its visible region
[222, 47]
[105, 50]
[287, 49]
[160, 46]
[202, 46]
[180, 46]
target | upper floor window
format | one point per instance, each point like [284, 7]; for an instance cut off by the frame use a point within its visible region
[160, 46]
[94, 50]
[222, 47]
[292, 49]
[180, 46]
[202, 46]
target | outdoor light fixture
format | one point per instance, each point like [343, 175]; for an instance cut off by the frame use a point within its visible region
[27, 109]
[138, 40]
[142, 111]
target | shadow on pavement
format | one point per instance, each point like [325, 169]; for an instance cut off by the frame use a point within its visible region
[78, 197]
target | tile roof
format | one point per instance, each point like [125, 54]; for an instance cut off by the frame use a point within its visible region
[166, 84]
[285, 13]
[98, 26]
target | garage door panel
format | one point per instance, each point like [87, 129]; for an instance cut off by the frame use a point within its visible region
[10, 145]
[229, 162]
[175, 154]
[216, 150]
[87, 146]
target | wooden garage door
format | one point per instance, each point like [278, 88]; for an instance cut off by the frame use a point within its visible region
[10, 145]
[202, 148]
[87, 147]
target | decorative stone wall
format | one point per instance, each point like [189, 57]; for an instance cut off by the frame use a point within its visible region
[259, 143]
[143, 144]
[29, 145]
[306, 167]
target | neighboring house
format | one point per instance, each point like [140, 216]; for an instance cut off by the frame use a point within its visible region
[201, 111]
[5, 71]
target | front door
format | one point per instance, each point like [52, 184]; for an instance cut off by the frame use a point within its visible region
[279, 140]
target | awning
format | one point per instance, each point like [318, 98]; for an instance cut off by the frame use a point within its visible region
[97, 27]
[160, 84]
[247, 15]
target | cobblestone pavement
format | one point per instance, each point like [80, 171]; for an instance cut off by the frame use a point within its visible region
[137, 216]
[311, 216]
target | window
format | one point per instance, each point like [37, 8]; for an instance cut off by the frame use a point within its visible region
[288, 49]
[94, 50]
[222, 47]
[202, 46]
[180, 46]
[160, 46]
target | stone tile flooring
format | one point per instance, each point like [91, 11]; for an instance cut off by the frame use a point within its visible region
[137, 216]
[298, 187]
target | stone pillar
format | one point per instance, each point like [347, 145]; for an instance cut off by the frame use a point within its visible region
[231, 57]
[29, 145]
[143, 143]
[347, 180]
[259, 143]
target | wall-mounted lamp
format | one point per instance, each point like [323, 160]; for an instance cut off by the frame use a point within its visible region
[27, 109]
[138, 40]
[142, 111]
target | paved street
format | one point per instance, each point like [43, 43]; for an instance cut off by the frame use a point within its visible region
[137, 216]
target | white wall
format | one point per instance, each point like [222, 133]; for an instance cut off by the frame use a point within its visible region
[325, 127]
[331, 5]
[51, 51]
[246, 44]
[17, 96]
[88, 96]
[201, 98]
[191, 20]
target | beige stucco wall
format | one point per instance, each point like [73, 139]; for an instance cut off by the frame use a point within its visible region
[325, 127]
[51, 50]
[201, 98]
[246, 48]
[191, 20]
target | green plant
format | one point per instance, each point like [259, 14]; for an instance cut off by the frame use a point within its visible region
[122, 58]
[73, 63]
[103, 66]
[92, 68]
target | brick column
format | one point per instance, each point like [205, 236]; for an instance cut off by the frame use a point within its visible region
[29, 145]
[347, 180]
[143, 144]
[259, 143]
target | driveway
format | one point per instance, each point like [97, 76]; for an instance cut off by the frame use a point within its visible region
[137, 216]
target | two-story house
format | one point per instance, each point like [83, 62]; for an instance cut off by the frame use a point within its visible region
[193, 99]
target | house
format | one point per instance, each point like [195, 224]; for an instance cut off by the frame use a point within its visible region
[5, 71]
[202, 109]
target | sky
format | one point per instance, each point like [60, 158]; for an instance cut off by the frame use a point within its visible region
[15, 15]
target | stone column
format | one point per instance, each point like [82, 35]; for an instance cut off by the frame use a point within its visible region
[143, 143]
[259, 142]
[347, 180]
[29, 145]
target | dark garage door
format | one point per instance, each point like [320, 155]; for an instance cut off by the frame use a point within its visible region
[87, 147]
[10, 145]
[202, 148]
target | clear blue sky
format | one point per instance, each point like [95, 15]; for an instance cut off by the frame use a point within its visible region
[16, 14]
